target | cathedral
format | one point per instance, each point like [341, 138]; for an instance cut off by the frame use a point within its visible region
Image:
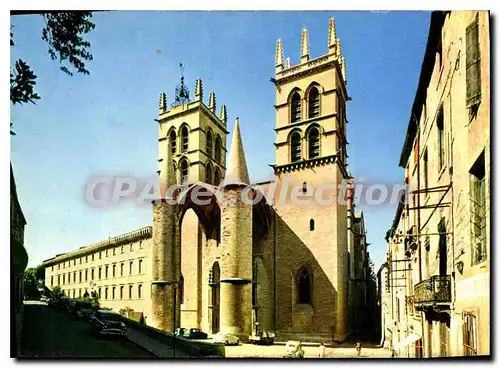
[229, 265]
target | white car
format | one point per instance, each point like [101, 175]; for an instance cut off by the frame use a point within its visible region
[226, 338]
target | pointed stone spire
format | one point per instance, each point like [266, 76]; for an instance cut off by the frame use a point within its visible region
[237, 169]
[342, 67]
[288, 64]
[163, 103]
[304, 47]
[211, 101]
[338, 49]
[332, 36]
[198, 92]
[223, 114]
[279, 56]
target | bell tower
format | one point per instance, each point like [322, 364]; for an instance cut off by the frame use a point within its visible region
[311, 106]
[310, 155]
[195, 134]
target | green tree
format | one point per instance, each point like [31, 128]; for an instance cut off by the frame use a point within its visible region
[31, 284]
[56, 293]
[64, 33]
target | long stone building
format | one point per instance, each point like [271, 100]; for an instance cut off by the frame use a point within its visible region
[437, 275]
[273, 264]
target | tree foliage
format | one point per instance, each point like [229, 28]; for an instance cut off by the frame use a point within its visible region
[64, 33]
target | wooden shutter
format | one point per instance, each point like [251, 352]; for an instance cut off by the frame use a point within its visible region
[473, 65]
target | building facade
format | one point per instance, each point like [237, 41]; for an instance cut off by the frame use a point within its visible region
[444, 226]
[274, 264]
[19, 262]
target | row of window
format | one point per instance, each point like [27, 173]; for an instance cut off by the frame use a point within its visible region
[84, 275]
[107, 253]
[313, 106]
[107, 293]
[312, 143]
[184, 136]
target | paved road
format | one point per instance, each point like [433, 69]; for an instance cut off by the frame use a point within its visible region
[48, 332]
[277, 351]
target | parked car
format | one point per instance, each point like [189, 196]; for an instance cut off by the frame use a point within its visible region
[63, 303]
[195, 333]
[83, 309]
[107, 323]
[226, 338]
[262, 338]
[293, 350]
[179, 331]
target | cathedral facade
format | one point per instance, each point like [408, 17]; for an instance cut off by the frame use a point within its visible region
[236, 266]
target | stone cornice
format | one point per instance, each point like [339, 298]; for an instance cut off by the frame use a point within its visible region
[304, 122]
[193, 107]
[320, 161]
[140, 234]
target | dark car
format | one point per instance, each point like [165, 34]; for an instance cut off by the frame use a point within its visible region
[83, 309]
[107, 323]
[179, 331]
[195, 333]
[262, 338]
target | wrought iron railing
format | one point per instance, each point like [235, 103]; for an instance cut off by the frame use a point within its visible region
[436, 289]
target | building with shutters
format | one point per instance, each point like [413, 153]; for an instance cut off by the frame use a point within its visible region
[442, 233]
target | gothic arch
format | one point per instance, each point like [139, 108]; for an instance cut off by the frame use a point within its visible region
[304, 284]
[217, 177]
[172, 138]
[313, 96]
[295, 105]
[313, 141]
[209, 174]
[183, 169]
[295, 145]
[210, 142]
[183, 139]
[218, 149]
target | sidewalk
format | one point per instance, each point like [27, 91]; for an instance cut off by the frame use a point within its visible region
[155, 347]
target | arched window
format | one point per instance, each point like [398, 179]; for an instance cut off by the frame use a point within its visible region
[173, 142]
[218, 149]
[217, 177]
[106, 293]
[185, 139]
[313, 103]
[184, 172]
[304, 188]
[209, 143]
[295, 147]
[296, 111]
[313, 143]
[304, 286]
[311, 224]
[208, 178]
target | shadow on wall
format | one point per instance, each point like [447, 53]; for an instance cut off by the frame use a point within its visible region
[305, 298]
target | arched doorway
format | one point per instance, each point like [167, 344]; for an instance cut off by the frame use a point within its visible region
[214, 298]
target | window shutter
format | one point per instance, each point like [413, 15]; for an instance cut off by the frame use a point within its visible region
[473, 65]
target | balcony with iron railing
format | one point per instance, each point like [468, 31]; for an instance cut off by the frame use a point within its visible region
[435, 291]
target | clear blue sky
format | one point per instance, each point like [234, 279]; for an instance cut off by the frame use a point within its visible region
[102, 124]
